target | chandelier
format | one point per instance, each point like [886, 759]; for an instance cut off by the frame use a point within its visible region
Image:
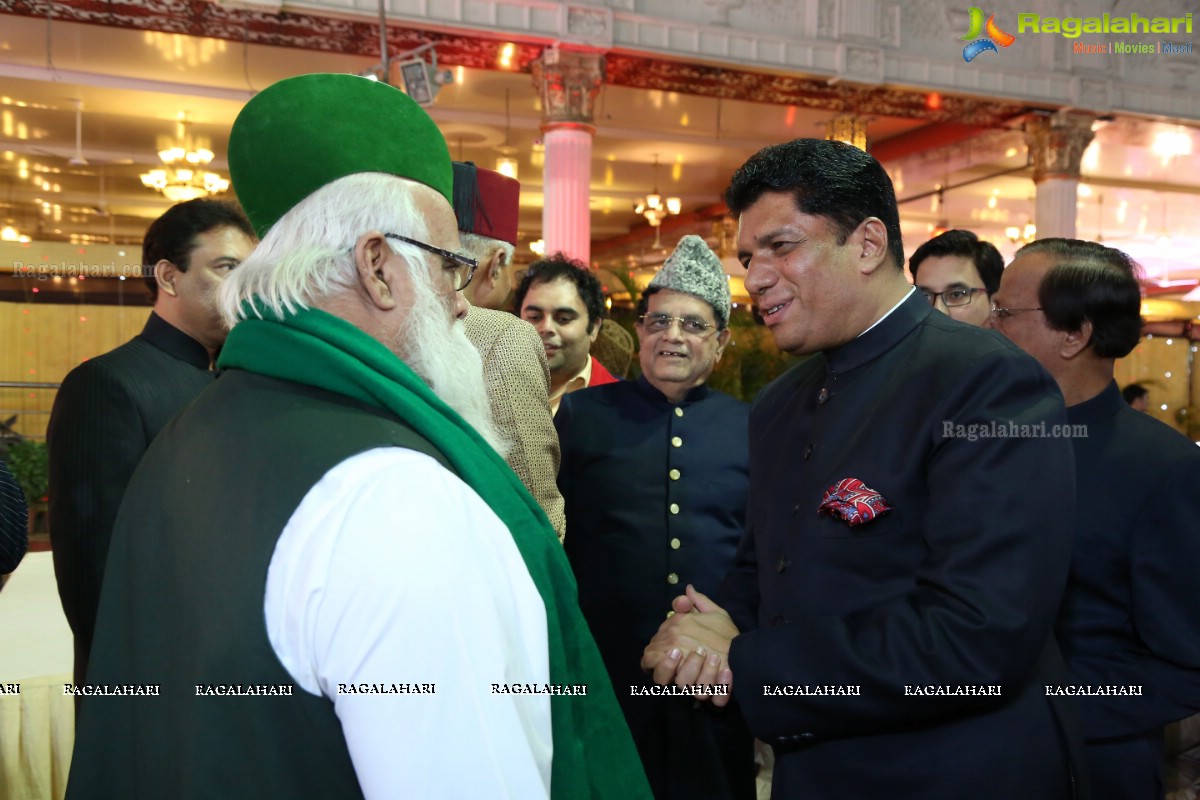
[9, 233]
[653, 206]
[849, 129]
[1021, 235]
[506, 164]
[183, 176]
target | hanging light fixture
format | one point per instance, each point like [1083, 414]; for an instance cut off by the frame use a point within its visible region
[849, 129]
[653, 206]
[939, 207]
[1023, 235]
[655, 209]
[10, 232]
[506, 164]
[183, 176]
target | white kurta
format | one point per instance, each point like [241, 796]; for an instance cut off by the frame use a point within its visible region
[394, 571]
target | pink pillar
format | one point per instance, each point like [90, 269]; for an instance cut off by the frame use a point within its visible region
[568, 82]
[1055, 210]
[566, 180]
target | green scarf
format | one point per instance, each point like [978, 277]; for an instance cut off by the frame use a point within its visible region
[594, 756]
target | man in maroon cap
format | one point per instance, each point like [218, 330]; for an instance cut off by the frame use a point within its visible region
[514, 362]
[487, 204]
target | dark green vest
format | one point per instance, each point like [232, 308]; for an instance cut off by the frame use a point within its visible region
[182, 603]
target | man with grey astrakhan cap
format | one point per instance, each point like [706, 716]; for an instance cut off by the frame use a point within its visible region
[675, 452]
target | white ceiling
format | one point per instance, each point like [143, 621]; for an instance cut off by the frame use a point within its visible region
[135, 85]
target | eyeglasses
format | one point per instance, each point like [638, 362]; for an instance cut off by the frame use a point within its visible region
[657, 323]
[1001, 314]
[952, 297]
[462, 267]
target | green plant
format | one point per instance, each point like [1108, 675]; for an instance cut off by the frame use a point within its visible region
[29, 462]
[751, 361]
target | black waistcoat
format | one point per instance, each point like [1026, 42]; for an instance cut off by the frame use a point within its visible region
[182, 604]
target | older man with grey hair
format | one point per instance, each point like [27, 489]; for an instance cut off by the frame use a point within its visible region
[515, 374]
[1128, 625]
[654, 474]
[330, 579]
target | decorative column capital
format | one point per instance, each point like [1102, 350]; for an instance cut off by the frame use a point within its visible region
[1056, 144]
[568, 82]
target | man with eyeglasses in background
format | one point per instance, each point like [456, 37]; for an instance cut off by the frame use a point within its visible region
[322, 566]
[564, 302]
[654, 475]
[1129, 617]
[958, 274]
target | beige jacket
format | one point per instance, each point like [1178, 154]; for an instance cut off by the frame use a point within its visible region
[517, 382]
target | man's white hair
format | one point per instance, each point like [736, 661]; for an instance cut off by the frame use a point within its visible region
[309, 253]
[477, 246]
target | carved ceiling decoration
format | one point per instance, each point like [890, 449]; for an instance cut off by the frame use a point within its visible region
[283, 29]
[360, 37]
[708, 81]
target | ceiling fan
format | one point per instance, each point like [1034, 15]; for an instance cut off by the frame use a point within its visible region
[76, 157]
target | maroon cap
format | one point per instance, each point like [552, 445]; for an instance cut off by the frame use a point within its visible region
[486, 202]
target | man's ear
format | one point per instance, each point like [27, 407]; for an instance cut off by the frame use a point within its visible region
[375, 273]
[596, 330]
[495, 266]
[165, 274]
[873, 238]
[488, 275]
[1075, 342]
[722, 341]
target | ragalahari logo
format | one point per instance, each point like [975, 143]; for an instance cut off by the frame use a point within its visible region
[994, 37]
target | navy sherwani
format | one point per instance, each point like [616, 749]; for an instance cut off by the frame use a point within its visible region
[953, 591]
[655, 498]
[1130, 616]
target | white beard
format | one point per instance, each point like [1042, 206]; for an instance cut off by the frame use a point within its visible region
[437, 349]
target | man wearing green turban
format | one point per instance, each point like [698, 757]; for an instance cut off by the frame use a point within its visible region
[334, 582]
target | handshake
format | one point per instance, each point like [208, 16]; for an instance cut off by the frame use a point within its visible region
[692, 647]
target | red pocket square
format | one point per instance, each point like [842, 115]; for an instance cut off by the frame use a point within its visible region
[853, 502]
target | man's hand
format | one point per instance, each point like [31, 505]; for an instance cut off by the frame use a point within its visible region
[692, 647]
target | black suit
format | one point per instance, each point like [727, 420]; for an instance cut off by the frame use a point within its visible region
[14, 522]
[956, 587]
[1130, 615]
[105, 415]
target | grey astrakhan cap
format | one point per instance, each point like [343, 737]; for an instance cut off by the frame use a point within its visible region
[695, 269]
